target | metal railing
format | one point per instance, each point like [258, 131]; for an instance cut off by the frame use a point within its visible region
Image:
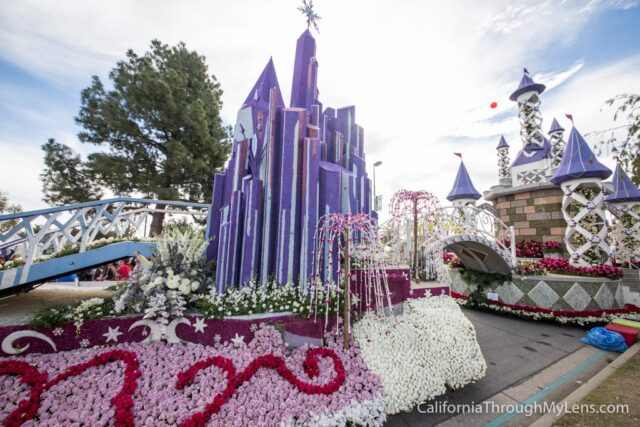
[443, 223]
[40, 232]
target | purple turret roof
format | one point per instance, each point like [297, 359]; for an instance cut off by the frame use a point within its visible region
[267, 81]
[503, 143]
[305, 53]
[463, 187]
[624, 190]
[578, 161]
[532, 153]
[555, 127]
[527, 85]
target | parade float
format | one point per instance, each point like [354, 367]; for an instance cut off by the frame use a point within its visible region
[282, 313]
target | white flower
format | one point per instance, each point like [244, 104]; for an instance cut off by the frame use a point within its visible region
[58, 331]
[418, 354]
[84, 343]
[185, 289]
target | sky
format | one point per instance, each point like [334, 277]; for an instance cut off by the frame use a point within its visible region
[421, 74]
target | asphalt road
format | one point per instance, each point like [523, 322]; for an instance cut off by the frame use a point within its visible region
[514, 350]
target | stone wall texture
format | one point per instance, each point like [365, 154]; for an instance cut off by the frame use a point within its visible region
[534, 214]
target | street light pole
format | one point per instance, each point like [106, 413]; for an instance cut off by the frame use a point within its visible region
[375, 165]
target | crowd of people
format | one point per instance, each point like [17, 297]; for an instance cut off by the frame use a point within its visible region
[113, 271]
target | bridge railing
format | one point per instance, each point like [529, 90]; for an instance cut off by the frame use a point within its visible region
[443, 222]
[40, 232]
[474, 221]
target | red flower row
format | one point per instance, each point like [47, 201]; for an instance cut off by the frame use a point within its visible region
[534, 248]
[269, 361]
[561, 265]
[629, 308]
[29, 374]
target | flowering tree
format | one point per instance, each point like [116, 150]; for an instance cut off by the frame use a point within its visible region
[407, 204]
[337, 235]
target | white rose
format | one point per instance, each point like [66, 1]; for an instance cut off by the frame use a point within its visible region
[185, 289]
[172, 283]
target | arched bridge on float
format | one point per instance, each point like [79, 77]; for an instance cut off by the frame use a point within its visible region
[475, 235]
[50, 243]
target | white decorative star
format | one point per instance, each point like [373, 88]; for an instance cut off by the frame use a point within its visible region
[238, 340]
[113, 334]
[199, 325]
[427, 293]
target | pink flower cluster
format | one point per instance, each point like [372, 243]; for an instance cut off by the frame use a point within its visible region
[562, 266]
[170, 384]
[451, 260]
[534, 248]
[551, 246]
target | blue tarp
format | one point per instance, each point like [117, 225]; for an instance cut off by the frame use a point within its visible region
[605, 339]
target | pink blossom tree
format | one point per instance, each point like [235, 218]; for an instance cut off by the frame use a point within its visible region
[407, 204]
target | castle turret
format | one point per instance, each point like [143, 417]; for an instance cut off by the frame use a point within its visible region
[556, 133]
[527, 95]
[580, 177]
[463, 192]
[289, 166]
[304, 88]
[503, 162]
[532, 164]
[624, 204]
[525, 197]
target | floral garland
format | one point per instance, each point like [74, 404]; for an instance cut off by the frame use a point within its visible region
[580, 317]
[70, 250]
[268, 361]
[162, 387]
[28, 409]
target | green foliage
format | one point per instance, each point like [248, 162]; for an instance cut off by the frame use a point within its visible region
[57, 315]
[161, 123]
[482, 281]
[627, 148]
[66, 179]
[160, 127]
[184, 226]
[6, 207]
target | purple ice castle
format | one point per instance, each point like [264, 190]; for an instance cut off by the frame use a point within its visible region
[289, 166]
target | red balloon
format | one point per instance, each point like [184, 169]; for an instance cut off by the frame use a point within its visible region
[493, 104]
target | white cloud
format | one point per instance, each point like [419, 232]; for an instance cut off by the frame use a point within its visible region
[421, 74]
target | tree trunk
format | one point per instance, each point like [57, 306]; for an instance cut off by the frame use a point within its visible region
[157, 221]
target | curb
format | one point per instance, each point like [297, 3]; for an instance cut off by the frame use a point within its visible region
[581, 392]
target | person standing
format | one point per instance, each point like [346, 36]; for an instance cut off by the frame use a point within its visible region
[124, 270]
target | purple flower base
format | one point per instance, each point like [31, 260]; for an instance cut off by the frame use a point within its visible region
[26, 339]
[95, 332]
